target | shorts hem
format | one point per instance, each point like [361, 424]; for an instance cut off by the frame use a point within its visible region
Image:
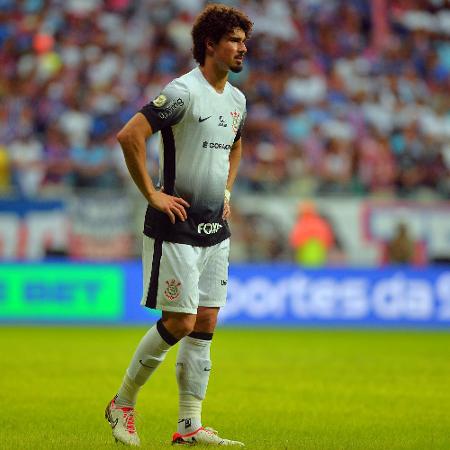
[221, 305]
[176, 309]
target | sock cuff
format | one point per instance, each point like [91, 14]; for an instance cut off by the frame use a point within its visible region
[165, 334]
[201, 335]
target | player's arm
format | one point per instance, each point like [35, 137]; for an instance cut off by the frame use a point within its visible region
[235, 159]
[132, 138]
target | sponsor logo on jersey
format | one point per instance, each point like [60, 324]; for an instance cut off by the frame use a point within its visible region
[216, 145]
[208, 228]
[160, 100]
[173, 289]
[167, 112]
[222, 122]
[235, 115]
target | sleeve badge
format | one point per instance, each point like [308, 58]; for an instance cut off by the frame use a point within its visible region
[160, 101]
[235, 115]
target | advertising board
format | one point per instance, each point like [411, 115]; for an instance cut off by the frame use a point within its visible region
[258, 295]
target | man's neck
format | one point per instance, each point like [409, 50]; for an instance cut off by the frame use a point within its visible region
[216, 77]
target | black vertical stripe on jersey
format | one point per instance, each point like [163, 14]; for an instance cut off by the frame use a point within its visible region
[169, 160]
[153, 285]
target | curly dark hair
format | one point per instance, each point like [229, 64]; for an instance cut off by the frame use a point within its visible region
[213, 23]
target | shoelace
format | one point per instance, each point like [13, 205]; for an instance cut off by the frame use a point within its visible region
[128, 415]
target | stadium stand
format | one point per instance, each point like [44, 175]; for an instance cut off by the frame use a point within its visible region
[345, 98]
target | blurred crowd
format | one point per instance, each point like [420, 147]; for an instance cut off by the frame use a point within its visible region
[344, 97]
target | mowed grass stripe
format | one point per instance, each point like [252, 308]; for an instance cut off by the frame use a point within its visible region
[272, 389]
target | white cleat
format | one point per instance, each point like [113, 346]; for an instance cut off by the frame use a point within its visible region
[203, 436]
[121, 420]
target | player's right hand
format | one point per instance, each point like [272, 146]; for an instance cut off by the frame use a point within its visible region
[172, 206]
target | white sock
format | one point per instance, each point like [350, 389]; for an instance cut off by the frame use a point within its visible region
[149, 354]
[128, 391]
[189, 414]
[193, 369]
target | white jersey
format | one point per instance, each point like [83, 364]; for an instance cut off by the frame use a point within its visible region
[198, 128]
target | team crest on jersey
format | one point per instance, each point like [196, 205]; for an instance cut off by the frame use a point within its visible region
[173, 289]
[160, 101]
[235, 124]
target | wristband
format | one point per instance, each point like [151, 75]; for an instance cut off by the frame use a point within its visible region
[227, 195]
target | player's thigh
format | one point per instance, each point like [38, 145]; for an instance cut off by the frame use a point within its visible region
[214, 276]
[170, 276]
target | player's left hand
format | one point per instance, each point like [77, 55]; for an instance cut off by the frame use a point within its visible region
[226, 210]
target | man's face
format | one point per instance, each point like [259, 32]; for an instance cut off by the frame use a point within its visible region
[230, 50]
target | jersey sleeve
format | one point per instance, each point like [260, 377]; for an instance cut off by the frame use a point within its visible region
[241, 126]
[168, 108]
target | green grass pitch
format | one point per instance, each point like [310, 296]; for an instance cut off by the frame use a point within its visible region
[272, 389]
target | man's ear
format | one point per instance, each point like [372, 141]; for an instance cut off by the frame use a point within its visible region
[209, 44]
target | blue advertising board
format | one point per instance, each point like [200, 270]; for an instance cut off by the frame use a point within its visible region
[287, 295]
[265, 295]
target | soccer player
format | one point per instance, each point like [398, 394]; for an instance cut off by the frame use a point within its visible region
[186, 243]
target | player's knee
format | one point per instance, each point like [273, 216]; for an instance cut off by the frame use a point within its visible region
[185, 328]
[206, 320]
[205, 324]
[179, 325]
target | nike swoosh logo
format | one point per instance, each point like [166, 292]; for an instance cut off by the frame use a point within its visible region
[202, 120]
[148, 367]
[207, 370]
[113, 424]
